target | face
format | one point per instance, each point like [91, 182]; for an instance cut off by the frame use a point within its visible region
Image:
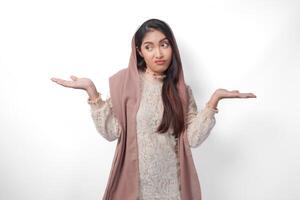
[156, 46]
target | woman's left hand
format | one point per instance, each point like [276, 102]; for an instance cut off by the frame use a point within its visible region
[223, 93]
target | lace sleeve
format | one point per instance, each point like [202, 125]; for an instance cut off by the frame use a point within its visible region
[199, 124]
[104, 119]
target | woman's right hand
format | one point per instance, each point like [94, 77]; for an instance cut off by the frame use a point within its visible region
[79, 83]
[76, 83]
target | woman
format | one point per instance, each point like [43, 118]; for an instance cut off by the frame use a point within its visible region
[153, 114]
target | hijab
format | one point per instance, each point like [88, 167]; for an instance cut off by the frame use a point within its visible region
[123, 181]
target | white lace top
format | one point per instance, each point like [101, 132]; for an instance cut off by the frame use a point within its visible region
[158, 164]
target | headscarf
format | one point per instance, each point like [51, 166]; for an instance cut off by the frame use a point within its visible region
[123, 181]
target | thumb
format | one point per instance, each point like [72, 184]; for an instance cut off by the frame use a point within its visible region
[74, 78]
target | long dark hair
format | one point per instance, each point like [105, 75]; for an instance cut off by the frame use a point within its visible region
[173, 111]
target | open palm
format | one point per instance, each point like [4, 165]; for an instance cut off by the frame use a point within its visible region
[76, 83]
[223, 93]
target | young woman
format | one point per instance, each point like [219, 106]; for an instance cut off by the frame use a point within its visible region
[153, 114]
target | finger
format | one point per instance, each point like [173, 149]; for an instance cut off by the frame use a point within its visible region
[234, 91]
[250, 95]
[64, 82]
[247, 95]
[67, 83]
[74, 78]
[55, 79]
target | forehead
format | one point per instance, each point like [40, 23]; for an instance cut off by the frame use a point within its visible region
[153, 37]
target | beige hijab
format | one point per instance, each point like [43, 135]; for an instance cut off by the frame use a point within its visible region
[123, 182]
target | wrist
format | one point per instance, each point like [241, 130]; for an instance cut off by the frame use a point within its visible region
[93, 93]
[95, 102]
[213, 102]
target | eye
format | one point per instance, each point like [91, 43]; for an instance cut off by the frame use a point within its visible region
[147, 47]
[167, 44]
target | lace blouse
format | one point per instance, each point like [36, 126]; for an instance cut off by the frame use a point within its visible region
[158, 163]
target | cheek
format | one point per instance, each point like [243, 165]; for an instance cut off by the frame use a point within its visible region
[169, 55]
[147, 57]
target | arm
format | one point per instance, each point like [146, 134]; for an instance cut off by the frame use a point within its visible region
[103, 117]
[199, 124]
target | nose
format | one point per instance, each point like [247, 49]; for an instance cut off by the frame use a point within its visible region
[158, 53]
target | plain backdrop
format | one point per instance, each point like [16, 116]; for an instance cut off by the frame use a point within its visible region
[49, 146]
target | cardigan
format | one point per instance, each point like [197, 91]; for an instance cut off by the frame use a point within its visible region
[158, 164]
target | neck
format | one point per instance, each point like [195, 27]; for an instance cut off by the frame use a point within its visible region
[154, 74]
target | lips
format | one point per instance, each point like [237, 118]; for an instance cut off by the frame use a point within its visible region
[159, 62]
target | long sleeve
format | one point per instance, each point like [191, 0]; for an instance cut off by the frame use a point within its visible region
[200, 123]
[104, 119]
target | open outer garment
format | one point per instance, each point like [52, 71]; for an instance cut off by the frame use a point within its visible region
[123, 181]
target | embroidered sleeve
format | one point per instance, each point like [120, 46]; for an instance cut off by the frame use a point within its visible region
[200, 123]
[104, 119]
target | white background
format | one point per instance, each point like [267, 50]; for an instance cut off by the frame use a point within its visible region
[49, 147]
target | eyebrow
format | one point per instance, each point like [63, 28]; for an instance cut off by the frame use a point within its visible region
[152, 42]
